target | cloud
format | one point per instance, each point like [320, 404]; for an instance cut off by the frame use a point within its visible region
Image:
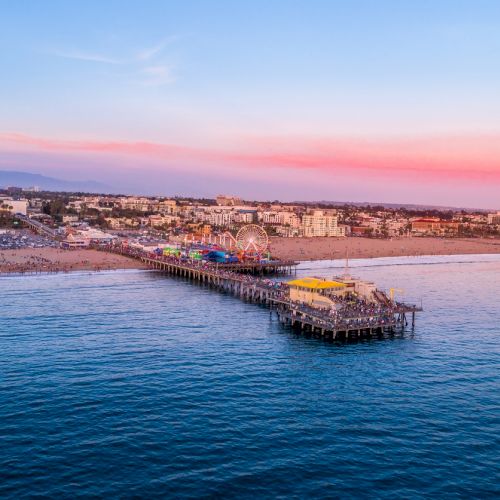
[157, 75]
[422, 160]
[150, 52]
[145, 67]
[84, 56]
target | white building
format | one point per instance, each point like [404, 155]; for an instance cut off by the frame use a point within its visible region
[168, 207]
[494, 218]
[69, 218]
[94, 235]
[271, 217]
[14, 206]
[319, 223]
[245, 216]
[32, 189]
[162, 220]
[282, 218]
[140, 204]
[224, 216]
[221, 218]
[72, 241]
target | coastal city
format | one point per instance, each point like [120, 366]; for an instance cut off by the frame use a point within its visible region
[249, 250]
[222, 242]
[298, 231]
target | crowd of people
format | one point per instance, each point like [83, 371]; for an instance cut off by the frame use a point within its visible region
[48, 257]
[347, 312]
[277, 287]
[36, 264]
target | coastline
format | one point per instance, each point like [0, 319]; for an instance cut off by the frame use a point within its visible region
[47, 260]
[314, 249]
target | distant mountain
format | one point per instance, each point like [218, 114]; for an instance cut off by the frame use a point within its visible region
[26, 180]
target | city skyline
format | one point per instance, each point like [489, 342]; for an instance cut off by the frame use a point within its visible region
[382, 103]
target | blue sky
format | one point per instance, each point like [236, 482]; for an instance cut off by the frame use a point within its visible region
[233, 76]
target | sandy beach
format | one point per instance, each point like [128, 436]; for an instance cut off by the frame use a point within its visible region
[30, 260]
[359, 248]
[34, 260]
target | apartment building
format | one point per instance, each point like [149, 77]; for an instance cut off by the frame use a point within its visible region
[494, 218]
[433, 226]
[282, 218]
[14, 206]
[159, 220]
[321, 223]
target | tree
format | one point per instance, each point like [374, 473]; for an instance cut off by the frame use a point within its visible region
[6, 217]
[55, 208]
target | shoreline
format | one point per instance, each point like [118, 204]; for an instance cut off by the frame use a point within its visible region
[314, 249]
[355, 259]
[48, 260]
[72, 272]
[132, 267]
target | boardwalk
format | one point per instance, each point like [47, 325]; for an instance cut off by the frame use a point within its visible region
[353, 322]
[261, 268]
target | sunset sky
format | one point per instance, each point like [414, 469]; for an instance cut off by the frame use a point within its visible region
[382, 101]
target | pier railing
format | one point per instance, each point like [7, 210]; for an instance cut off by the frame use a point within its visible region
[354, 321]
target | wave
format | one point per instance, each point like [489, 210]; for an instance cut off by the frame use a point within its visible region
[399, 261]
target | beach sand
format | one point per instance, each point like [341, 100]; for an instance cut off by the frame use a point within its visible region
[32, 260]
[359, 248]
[29, 260]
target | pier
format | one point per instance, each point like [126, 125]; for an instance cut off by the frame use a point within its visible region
[249, 281]
[376, 319]
[273, 267]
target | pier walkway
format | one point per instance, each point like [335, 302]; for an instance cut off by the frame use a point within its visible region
[354, 321]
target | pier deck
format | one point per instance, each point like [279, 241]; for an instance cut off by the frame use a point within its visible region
[274, 295]
[246, 281]
[261, 268]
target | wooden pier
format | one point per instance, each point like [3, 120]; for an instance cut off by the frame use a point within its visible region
[275, 296]
[347, 328]
[272, 267]
[246, 281]
[218, 276]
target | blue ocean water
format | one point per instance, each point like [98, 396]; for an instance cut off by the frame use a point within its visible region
[132, 384]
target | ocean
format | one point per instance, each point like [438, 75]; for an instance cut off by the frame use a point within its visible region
[133, 384]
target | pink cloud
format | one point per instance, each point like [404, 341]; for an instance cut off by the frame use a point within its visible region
[435, 159]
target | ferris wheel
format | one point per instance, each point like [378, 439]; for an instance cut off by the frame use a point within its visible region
[252, 239]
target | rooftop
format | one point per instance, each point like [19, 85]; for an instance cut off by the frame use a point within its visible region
[316, 283]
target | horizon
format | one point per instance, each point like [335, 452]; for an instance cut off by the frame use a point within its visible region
[385, 103]
[358, 204]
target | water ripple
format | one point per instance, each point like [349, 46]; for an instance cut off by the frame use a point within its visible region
[131, 384]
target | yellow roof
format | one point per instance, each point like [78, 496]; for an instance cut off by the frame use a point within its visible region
[315, 283]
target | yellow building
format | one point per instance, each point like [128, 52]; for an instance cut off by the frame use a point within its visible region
[311, 291]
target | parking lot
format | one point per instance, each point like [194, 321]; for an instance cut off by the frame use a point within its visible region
[23, 238]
